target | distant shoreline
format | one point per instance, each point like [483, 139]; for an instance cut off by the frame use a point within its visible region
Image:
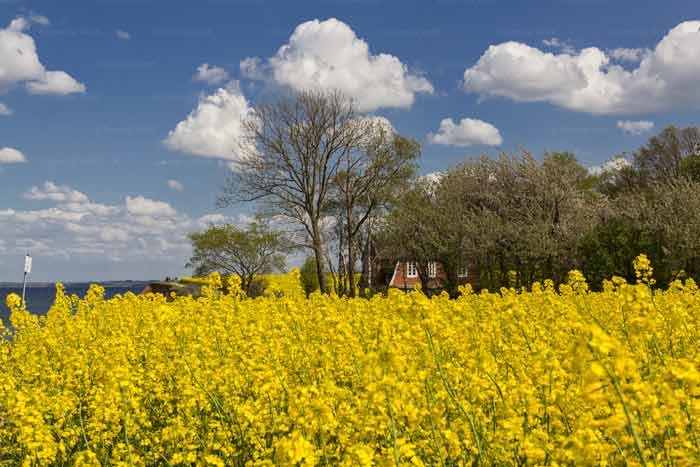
[14, 285]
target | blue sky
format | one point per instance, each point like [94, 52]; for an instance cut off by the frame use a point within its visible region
[84, 185]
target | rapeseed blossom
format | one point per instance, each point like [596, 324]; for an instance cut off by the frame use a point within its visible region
[556, 376]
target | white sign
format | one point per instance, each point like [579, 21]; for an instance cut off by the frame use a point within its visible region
[27, 264]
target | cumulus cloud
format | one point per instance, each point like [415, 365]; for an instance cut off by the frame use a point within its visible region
[5, 110]
[75, 226]
[140, 206]
[253, 68]
[123, 35]
[20, 64]
[210, 74]
[610, 166]
[39, 19]
[467, 132]
[556, 43]
[635, 127]
[329, 55]
[55, 82]
[50, 191]
[11, 156]
[629, 55]
[589, 80]
[215, 128]
[209, 220]
[175, 185]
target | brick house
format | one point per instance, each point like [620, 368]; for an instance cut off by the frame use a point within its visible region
[406, 277]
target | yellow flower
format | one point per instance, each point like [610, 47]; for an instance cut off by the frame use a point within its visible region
[550, 376]
[13, 301]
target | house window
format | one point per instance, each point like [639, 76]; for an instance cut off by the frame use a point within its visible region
[432, 269]
[463, 272]
[411, 270]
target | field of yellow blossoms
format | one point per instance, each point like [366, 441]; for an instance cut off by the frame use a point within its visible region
[549, 376]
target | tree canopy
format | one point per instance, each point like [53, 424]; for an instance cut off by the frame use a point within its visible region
[246, 252]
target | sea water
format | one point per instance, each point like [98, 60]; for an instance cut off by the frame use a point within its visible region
[40, 298]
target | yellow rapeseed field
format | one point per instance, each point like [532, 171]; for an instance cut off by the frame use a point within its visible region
[549, 376]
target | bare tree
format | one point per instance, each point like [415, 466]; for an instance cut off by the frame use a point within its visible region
[291, 157]
[367, 179]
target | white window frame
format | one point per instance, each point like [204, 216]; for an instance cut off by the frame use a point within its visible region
[411, 269]
[463, 272]
[432, 269]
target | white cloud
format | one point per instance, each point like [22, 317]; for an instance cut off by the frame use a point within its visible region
[19, 63]
[175, 185]
[88, 207]
[55, 82]
[556, 43]
[629, 55]
[140, 206]
[5, 110]
[50, 191]
[123, 35]
[11, 156]
[253, 68]
[467, 132]
[48, 215]
[635, 127]
[210, 74]
[329, 55]
[208, 220]
[215, 128]
[589, 81]
[39, 19]
[19, 24]
[610, 166]
[75, 226]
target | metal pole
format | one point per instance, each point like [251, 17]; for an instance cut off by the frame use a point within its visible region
[27, 271]
[24, 290]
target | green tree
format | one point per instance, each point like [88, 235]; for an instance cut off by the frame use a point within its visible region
[414, 229]
[514, 213]
[671, 155]
[609, 249]
[661, 158]
[690, 166]
[662, 221]
[309, 280]
[246, 252]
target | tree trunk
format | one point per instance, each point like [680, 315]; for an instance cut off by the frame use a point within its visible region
[317, 246]
[351, 260]
[342, 271]
[504, 272]
[246, 281]
[421, 269]
[366, 279]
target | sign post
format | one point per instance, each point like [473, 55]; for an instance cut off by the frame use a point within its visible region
[27, 271]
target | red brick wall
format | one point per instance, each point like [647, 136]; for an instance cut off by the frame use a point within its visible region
[402, 281]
